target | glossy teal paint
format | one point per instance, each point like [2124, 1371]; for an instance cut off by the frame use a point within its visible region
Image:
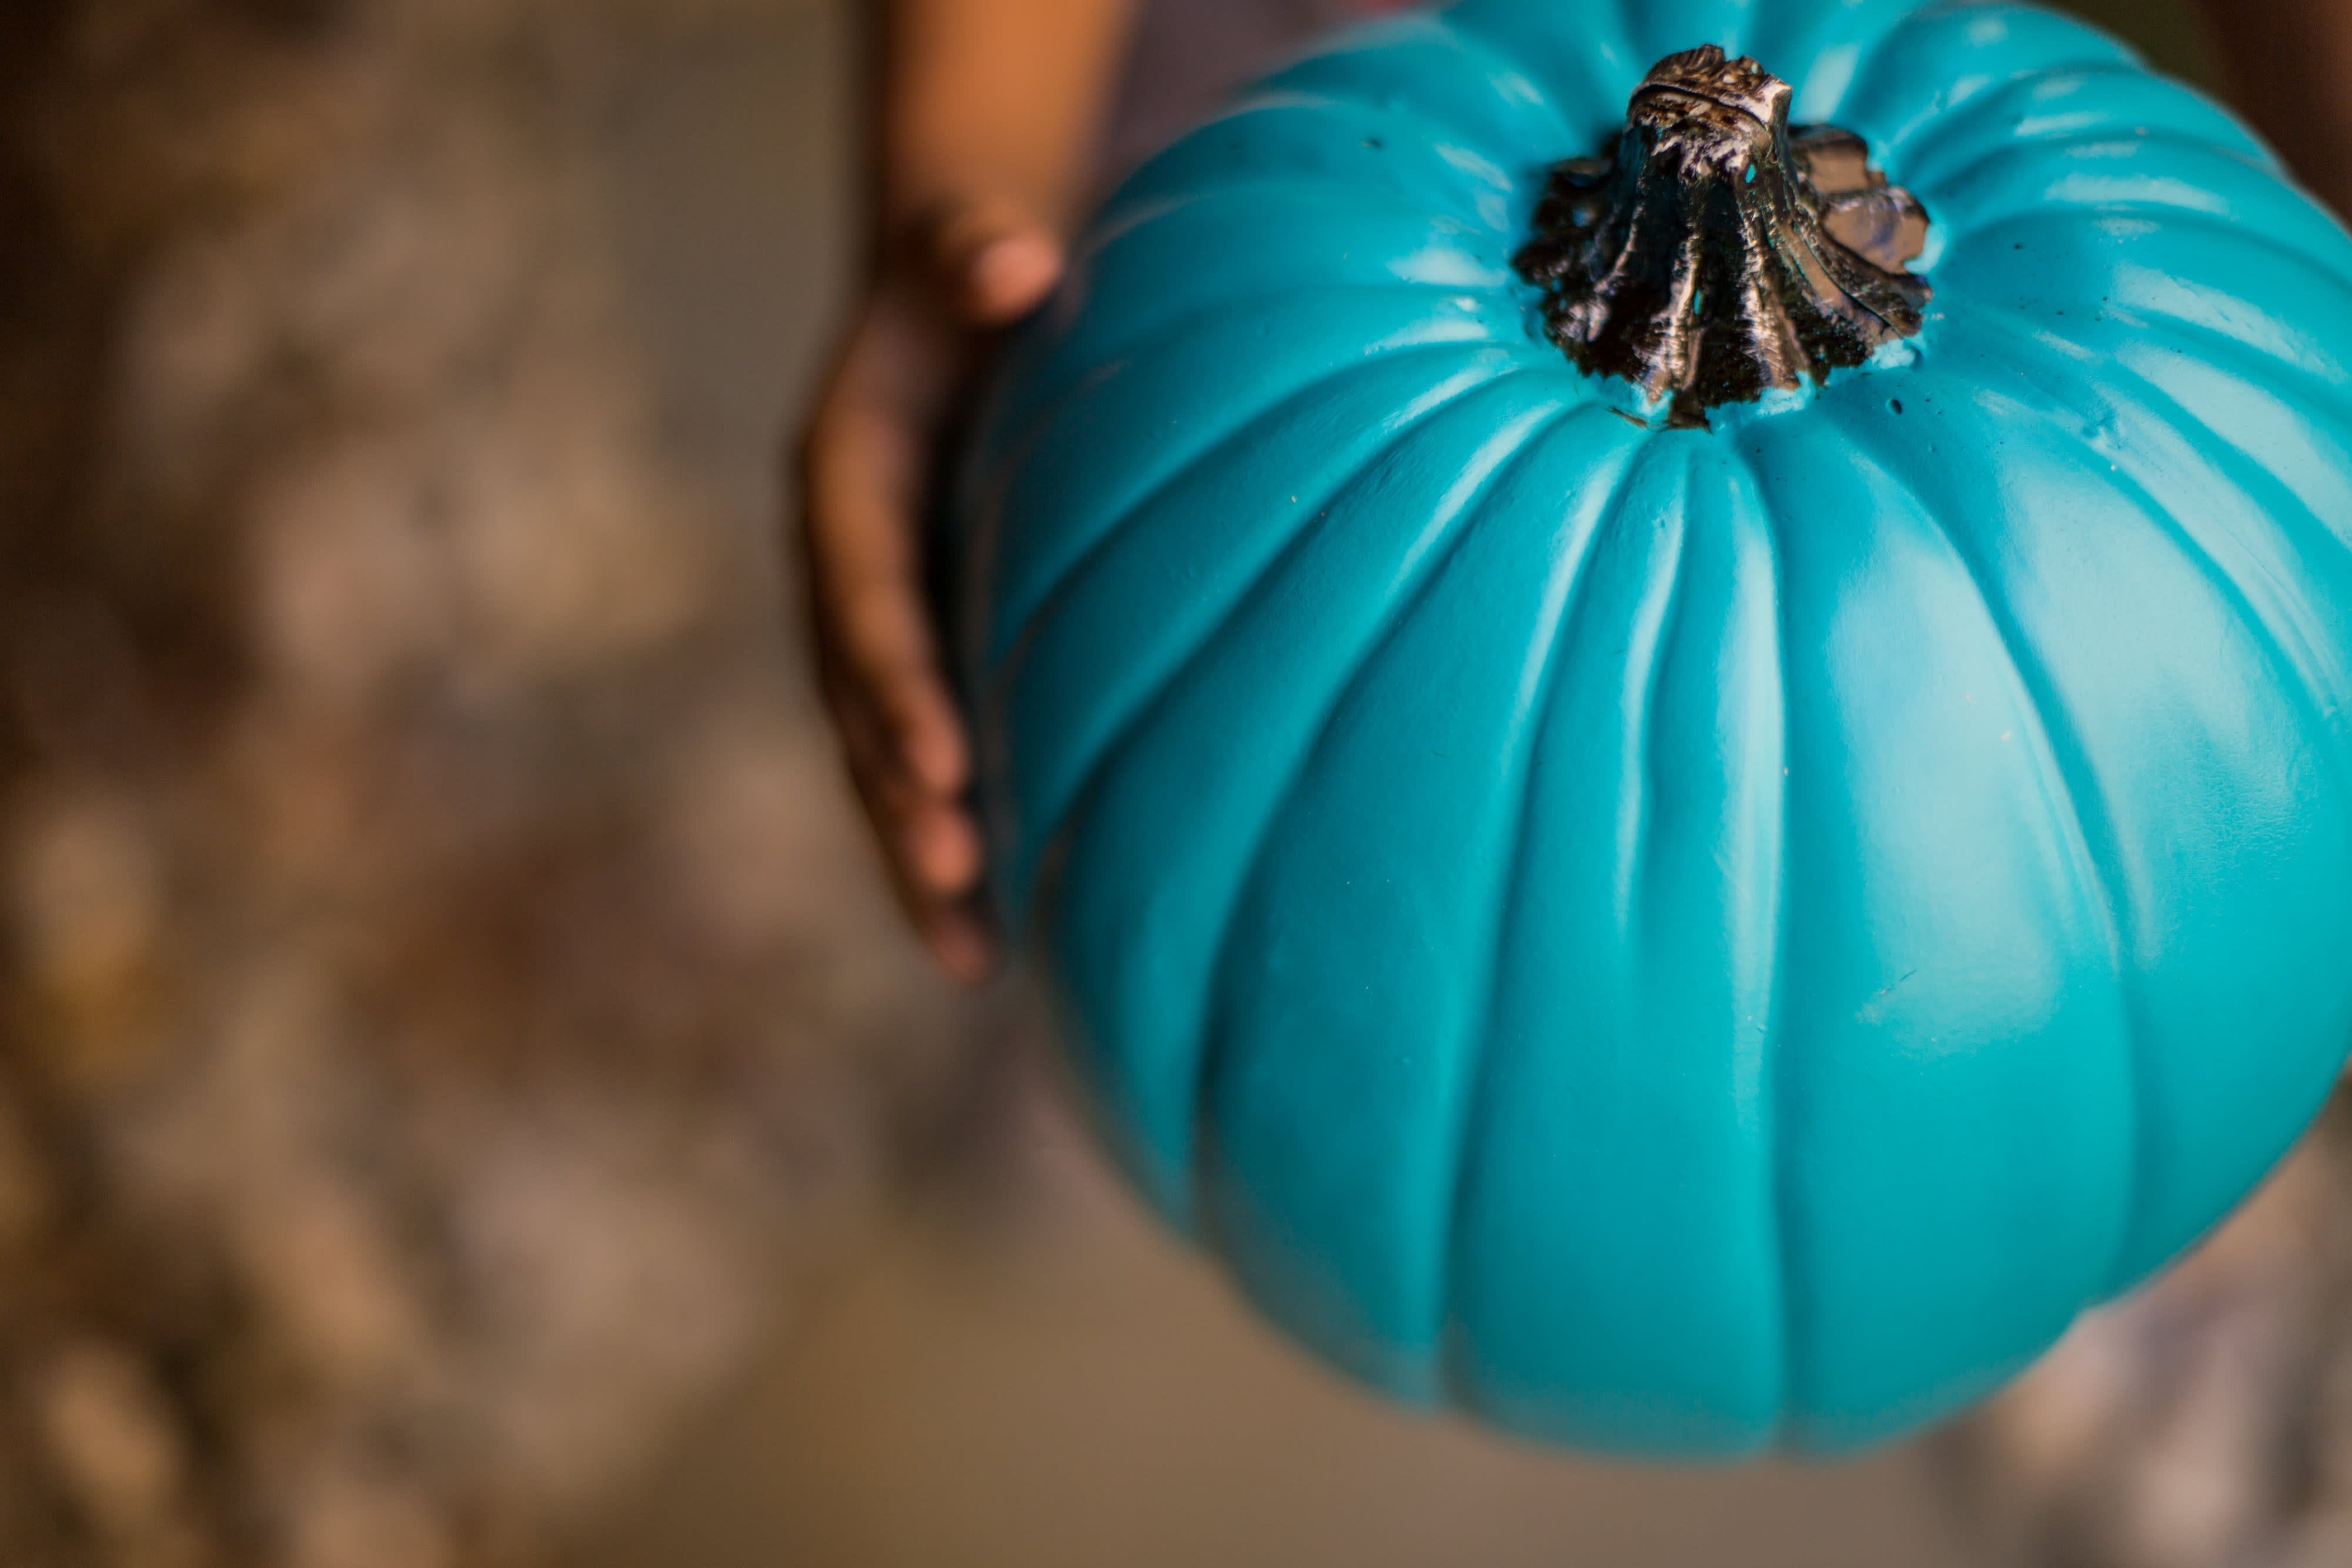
[1682, 942]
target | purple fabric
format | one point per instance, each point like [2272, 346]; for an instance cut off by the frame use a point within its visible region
[1188, 54]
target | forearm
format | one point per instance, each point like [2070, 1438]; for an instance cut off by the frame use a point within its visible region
[998, 100]
[2290, 65]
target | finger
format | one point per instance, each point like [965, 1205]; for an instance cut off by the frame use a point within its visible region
[954, 927]
[935, 884]
[889, 651]
[863, 462]
[939, 842]
[867, 600]
[990, 261]
[960, 941]
[1010, 276]
[875, 630]
[932, 837]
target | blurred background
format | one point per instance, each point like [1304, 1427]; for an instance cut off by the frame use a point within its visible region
[466, 1100]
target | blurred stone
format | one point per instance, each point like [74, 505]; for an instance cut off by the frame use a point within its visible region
[343, 1517]
[459, 1015]
[90, 911]
[111, 1436]
[2201, 1421]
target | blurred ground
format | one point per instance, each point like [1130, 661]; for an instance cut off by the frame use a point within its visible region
[1023, 1371]
[451, 1012]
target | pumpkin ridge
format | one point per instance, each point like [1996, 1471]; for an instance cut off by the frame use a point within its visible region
[2316, 667]
[2065, 803]
[1056, 807]
[1929, 30]
[2326, 398]
[1612, 485]
[1375, 220]
[1218, 1036]
[2137, 1254]
[1016, 430]
[1127, 217]
[1604, 64]
[1281, 188]
[1111, 791]
[1630, 21]
[1441, 47]
[2333, 376]
[1404, 126]
[2125, 138]
[2167, 521]
[2257, 210]
[1323, 234]
[2338, 422]
[1643, 793]
[1830, 37]
[1780, 1200]
[1532, 1204]
[1427, 400]
[1993, 148]
[2290, 350]
[1610, 490]
[1966, 124]
[1015, 611]
[993, 679]
[2175, 221]
[1127, 228]
[2080, 813]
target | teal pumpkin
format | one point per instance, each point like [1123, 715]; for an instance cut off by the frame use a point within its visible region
[1682, 939]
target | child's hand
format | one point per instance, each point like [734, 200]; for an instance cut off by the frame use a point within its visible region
[866, 461]
[986, 115]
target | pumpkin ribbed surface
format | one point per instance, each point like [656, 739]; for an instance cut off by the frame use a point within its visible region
[1681, 940]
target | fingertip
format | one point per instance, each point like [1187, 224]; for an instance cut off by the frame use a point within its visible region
[942, 850]
[960, 944]
[937, 754]
[1009, 276]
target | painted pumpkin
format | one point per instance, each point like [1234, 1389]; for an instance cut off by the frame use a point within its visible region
[1667, 808]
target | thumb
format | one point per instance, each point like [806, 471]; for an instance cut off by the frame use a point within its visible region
[992, 263]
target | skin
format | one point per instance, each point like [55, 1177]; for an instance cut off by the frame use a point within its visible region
[988, 114]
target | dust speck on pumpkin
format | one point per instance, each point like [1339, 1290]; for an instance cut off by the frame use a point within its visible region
[1874, 1009]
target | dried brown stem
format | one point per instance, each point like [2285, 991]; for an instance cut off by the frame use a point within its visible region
[1713, 253]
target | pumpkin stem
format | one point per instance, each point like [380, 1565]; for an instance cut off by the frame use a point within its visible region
[1713, 253]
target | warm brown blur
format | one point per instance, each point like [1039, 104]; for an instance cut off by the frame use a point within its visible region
[2288, 63]
[448, 999]
[466, 1099]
